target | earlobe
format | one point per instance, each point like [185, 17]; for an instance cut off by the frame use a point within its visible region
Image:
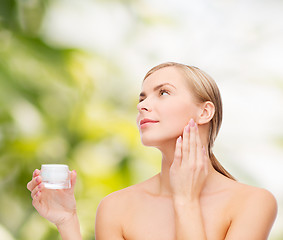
[206, 113]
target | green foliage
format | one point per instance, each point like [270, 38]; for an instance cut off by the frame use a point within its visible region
[53, 111]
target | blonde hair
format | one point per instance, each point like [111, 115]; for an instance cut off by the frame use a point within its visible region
[204, 89]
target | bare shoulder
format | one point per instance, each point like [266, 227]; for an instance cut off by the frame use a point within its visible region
[253, 208]
[253, 197]
[121, 200]
[113, 211]
[117, 201]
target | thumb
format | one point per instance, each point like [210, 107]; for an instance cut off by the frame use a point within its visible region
[73, 179]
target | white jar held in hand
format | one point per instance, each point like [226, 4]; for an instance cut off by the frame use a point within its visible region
[55, 176]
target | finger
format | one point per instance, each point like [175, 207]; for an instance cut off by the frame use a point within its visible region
[185, 145]
[35, 173]
[192, 154]
[36, 200]
[34, 182]
[30, 184]
[73, 179]
[178, 153]
[37, 189]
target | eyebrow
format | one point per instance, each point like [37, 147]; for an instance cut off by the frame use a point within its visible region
[142, 94]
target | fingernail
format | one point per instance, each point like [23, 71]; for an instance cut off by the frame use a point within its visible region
[187, 128]
[37, 179]
[179, 139]
[192, 123]
[40, 186]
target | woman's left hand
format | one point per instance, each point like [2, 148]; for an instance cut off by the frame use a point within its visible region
[189, 169]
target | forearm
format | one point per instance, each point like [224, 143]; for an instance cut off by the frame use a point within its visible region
[188, 220]
[70, 230]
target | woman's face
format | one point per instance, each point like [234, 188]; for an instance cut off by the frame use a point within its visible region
[165, 108]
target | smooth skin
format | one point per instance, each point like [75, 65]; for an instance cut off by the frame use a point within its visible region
[58, 206]
[188, 199]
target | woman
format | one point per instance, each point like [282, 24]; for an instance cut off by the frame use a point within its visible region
[193, 197]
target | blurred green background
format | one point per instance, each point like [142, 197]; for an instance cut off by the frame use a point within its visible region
[69, 96]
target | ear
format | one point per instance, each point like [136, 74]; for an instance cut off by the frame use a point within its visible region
[206, 112]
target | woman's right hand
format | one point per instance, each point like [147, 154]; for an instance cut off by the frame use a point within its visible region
[58, 206]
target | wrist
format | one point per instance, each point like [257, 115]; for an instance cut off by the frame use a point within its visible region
[70, 228]
[67, 220]
[185, 201]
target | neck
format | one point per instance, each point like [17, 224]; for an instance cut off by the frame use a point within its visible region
[167, 160]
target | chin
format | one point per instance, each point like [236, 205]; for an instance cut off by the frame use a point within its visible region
[149, 142]
[158, 142]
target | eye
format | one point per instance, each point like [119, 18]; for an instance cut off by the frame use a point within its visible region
[163, 92]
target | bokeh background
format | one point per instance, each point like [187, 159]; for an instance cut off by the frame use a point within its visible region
[70, 76]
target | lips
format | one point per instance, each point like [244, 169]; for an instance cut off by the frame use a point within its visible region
[146, 120]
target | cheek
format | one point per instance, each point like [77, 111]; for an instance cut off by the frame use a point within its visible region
[177, 125]
[180, 115]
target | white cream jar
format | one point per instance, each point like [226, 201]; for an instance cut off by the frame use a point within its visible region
[55, 176]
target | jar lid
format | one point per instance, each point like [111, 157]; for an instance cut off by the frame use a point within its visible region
[54, 172]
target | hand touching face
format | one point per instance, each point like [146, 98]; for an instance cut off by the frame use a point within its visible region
[189, 169]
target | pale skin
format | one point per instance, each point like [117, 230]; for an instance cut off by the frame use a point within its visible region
[188, 199]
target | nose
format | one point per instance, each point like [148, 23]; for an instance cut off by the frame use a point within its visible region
[143, 106]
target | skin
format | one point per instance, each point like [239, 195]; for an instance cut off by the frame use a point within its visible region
[188, 199]
[57, 206]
